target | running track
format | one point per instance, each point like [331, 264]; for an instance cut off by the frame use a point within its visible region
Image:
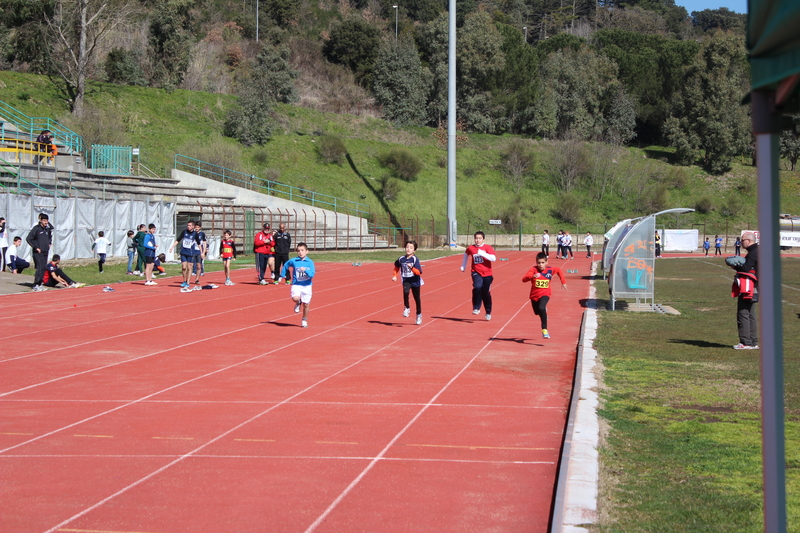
[148, 410]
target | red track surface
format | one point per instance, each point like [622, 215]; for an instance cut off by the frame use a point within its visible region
[149, 410]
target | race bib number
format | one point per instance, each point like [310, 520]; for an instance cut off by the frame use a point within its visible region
[407, 273]
[188, 242]
[477, 259]
[301, 275]
[542, 283]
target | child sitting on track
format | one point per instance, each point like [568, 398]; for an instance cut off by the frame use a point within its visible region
[410, 270]
[540, 276]
[302, 273]
[53, 275]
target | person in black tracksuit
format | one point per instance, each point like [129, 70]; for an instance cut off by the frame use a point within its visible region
[283, 245]
[746, 321]
[39, 239]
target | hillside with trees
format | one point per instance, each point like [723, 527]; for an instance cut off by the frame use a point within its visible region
[557, 96]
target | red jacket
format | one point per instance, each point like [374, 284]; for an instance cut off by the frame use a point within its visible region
[744, 285]
[540, 280]
[264, 243]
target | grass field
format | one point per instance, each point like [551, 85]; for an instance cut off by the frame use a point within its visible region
[681, 408]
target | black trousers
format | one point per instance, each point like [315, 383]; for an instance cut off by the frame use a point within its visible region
[481, 294]
[52, 282]
[407, 287]
[540, 309]
[280, 260]
[40, 261]
[746, 322]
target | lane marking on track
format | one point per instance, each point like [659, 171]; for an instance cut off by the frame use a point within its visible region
[172, 438]
[98, 531]
[411, 422]
[333, 442]
[478, 447]
[27, 434]
[254, 440]
[96, 436]
[242, 424]
[288, 457]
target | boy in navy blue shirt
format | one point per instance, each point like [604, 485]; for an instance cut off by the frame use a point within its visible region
[410, 271]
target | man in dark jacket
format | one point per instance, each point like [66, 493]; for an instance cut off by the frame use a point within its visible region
[39, 239]
[745, 306]
[283, 245]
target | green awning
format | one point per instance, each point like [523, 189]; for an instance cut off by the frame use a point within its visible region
[773, 41]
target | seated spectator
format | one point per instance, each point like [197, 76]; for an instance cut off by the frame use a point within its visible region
[15, 263]
[160, 258]
[54, 276]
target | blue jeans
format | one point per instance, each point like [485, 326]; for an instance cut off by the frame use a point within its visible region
[131, 254]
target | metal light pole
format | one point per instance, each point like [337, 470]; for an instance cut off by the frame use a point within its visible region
[256, 20]
[452, 118]
[395, 23]
[526, 33]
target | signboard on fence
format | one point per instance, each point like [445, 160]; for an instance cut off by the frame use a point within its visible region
[680, 240]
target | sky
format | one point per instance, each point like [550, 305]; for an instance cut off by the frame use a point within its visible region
[740, 6]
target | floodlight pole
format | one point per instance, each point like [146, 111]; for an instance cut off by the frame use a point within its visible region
[767, 128]
[256, 20]
[526, 33]
[452, 224]
[395, 23]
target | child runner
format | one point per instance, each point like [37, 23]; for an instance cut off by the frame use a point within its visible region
[706, 246]
[130, 247]
[100, 245]
[200, 267]
[302, 273]
[227, 251]
[150, 254]
[717, 245]
[410, 270]
[588, 241]
[540, 277]
[482, 257]
[546, 242]
[53, 275]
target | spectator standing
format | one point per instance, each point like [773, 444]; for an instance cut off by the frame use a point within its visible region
[588, 241]
[567, 245]
[546, 243]
[263, 246]
[658, 244]
[737, 246]
[139, 241]
[39, 239]
[100, 246]
[190, 251]
[150, 254]
[283, 244]
[14, 262]
[130, 248]
[42, 145]
[559, 244]
[200, 266]
[706, 246]
[3, 244]
[746, 322]
[717, 245]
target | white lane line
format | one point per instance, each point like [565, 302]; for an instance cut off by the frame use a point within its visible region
[265, 402]
[394, 439]
[228, 432]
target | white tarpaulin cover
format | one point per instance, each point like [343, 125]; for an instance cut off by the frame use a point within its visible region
[680, 240]
[78, 220]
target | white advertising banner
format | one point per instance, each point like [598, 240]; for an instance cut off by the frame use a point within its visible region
[680, 240]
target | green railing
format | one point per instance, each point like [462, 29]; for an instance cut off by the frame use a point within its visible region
[115, 160]
[8, 168]
[30, 127]
[271, 188]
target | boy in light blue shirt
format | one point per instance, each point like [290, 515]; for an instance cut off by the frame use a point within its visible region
[303, 271]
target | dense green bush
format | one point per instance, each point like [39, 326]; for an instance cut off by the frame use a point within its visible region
[332, 149]
[568, 208]
[122, 67]
[402, 163]
[390, 187]
[704, 205]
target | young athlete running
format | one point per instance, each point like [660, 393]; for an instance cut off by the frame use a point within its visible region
[540, 277]
[227, 251]
[302, 273]
[482, 257]
[411, 271]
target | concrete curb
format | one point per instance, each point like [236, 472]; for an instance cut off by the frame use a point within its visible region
[575, 504]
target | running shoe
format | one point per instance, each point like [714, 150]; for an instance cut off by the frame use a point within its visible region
[304, 323]
[419, 319]
[741, 346]
[275, 282]
[297, 308]
[197, 288]
[476, 311]
[229, 282]
[545, 335]
[135, 272]
[130, 273]
[38, 288]
[197, 282]
[186, 289]
[77, 285]
[151, 282]
[262, 282]
[184, 285]
[488, 316]
[406, 312]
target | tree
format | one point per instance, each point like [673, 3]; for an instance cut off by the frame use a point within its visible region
[24, 37]
[719, 19]
[171, 42]
[708, 118]
[273, 77]
[582, 98]
[400, 84]
[355, 44]
[790, 148]
[517, 162]
[78, 28]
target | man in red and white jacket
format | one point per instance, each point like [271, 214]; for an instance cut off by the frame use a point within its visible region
[264, 248]
[746, 321]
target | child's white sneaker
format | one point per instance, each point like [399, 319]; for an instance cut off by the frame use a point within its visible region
[229, 282]
[488, 316]
[151, 282]
[304, 323]
[297, 309]
[406, 312]
[476, 311]
[419, 319]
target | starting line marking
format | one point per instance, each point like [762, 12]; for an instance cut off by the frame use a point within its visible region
[98, 531]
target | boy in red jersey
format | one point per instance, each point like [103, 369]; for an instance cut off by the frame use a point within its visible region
[227, 251]
[482, 257]
[540, 277]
